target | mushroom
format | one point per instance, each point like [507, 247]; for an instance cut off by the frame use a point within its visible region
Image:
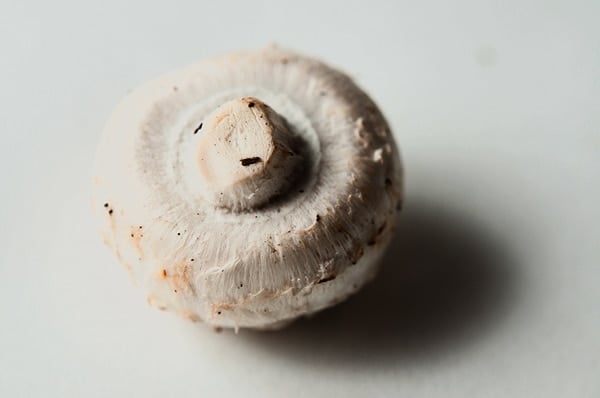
[248, 189]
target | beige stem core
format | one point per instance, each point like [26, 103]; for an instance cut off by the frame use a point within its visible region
[246, 155]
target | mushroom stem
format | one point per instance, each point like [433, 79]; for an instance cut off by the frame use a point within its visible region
[247, 155]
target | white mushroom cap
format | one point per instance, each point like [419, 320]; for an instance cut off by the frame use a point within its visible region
[248, 189]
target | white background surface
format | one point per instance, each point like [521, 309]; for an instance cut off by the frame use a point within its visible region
[490, 289]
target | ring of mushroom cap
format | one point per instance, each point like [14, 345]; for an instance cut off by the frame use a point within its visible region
[249, 189]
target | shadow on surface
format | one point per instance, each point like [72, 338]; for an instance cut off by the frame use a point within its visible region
[443, 283]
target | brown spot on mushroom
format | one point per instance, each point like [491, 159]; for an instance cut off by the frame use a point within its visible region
[180, 279]
[218, 308]
[106, 205]
[120, 258]
[110, 212]
[357, 254]
[191, 316]
[318, 218]
[251, 104]
[381, 228]
[249, 161]
[136, 237]
[373, 240]
[388, 182]
[327, 279]
[164, 273]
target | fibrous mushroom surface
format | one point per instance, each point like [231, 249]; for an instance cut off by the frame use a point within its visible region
[248, 189]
